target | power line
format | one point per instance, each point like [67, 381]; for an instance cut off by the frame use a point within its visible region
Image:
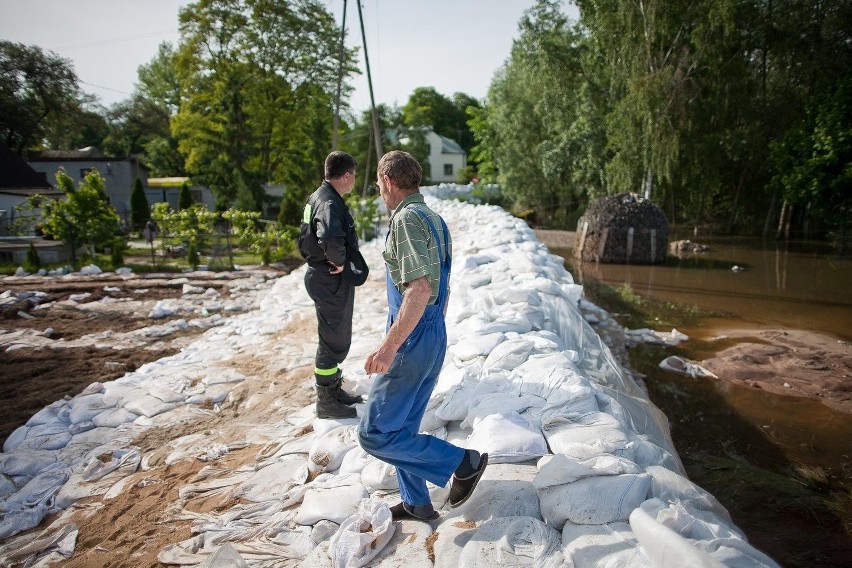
[105, 88]
[115, 40]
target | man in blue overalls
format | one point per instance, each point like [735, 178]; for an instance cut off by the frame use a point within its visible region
[418, 256]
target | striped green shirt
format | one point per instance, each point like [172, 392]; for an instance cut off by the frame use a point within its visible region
[411, 250]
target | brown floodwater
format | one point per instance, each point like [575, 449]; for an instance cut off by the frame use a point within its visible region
[806, 286]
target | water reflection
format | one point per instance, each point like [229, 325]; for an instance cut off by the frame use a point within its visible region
[802, 288]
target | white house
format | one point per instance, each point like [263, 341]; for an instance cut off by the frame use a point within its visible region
[446, 158]
[119, 173]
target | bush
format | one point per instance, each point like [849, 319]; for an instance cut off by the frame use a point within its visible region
[192, 256]
[33, 262]
[116, 257]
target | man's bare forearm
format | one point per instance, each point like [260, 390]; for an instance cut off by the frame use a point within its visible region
[414, 301]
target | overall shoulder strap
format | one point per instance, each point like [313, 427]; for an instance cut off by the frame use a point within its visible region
[445, 256]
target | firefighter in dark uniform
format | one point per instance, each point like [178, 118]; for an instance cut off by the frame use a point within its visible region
[327, 233]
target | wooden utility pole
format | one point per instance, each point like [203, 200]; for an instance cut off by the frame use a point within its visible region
[336, 124]
[377, 135]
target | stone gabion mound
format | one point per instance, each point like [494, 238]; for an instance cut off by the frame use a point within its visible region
[622, 229]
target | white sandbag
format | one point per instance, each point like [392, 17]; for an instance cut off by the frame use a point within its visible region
[501, 499]
[324, 425]
[569, 402]
[148, 406]
[15, 439]
[80, 427]
[26, 463]
[225, 557]
[328, 450]
[54, 441]
[452, 537]
[589, 435]
[485, 405]
[669, 486]
[165, 394]
[517, 295]
[559, 469]
[114, 417]
[509, 354]
[707, 532]
[361, 536]
[612, 545]
[124, 460]
[513, 541]
[543, 374]
[475, 345]
[47, 414]
[593, 500]
[330, 503]
[378, 475]
[664, 547]
[507, 438]
[354, 461]
[222, 376]
[475, 382]
[647, 453]
[85, 408]
[273, 480]
[51, 546]
[508, 322]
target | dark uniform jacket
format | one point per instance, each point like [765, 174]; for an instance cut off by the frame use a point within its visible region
[327, 228]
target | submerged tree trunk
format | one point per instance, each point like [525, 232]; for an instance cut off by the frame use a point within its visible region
[737, 192]
[769, 214]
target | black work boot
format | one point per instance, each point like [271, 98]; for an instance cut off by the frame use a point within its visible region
[329, 407]
[342, 395]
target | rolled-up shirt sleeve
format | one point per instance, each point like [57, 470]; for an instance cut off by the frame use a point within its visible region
[413, 249]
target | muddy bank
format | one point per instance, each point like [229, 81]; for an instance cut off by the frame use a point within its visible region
[785, 362]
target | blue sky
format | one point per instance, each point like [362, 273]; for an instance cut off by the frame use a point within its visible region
[452, 45]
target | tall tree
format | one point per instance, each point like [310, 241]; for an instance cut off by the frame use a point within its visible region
[140, 210]
[530, 135]
[256, 80]
[35, 88]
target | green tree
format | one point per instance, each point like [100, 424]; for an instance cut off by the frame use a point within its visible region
[36, 87]
[426, 107]
[184, 199]
[532, 136]
[140, 210]
[159, 85]
[256, 81]
[84, 216]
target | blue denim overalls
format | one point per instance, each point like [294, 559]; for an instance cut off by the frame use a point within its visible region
[390, 427]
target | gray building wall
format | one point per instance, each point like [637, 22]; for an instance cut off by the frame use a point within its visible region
[119, 176]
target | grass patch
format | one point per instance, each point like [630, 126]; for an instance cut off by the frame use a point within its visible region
[637, 311]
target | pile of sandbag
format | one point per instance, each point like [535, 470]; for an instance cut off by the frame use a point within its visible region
[582, 469]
